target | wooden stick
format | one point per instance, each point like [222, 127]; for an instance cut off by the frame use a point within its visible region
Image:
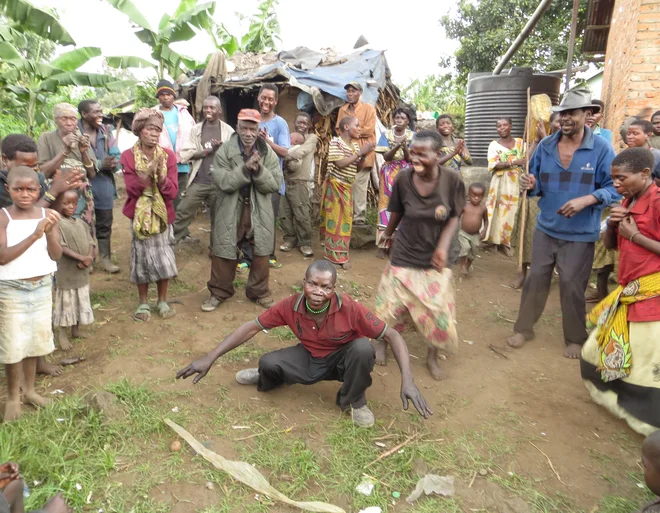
[394, 449]
[549, 462]
[523, 203]
[473, 478]
[497, 351]
[376, 480]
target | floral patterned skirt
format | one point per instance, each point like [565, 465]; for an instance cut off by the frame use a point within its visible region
[422, 299]
[633, 398]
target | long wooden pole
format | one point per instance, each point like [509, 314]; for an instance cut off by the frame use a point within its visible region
[523, 203]
[571, 44]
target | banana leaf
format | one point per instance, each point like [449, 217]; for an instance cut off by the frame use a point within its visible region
[125, 62]
[71, 61]
[78, 78]
[8, 52]
[13, 36]
[41, 21]
[32, 68]
[128, 8]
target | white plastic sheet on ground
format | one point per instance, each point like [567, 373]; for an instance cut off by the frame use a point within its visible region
[431, 483]
[247, 474]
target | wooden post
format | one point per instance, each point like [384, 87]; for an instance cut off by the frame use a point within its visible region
[571, 44]
[523, 203]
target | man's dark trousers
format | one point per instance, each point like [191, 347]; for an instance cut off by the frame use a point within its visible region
[351, 364]
[573, 261]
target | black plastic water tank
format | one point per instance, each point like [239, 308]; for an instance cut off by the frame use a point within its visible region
[490, 97]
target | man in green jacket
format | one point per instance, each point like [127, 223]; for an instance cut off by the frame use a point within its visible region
[246, 172]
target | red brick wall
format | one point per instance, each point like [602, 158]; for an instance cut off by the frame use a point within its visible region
[632, 64]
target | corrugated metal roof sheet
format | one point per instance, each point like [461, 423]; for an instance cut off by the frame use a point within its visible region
[599, 17]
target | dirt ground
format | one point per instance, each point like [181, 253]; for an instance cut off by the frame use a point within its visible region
[529, 396]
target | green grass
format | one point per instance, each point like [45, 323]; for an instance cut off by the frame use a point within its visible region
[180, 287]
[282, 333]
[239, 283]
[107, 297]
[372, 216]
[127, 462]
[246, 352]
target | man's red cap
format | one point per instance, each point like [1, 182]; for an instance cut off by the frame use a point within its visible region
[249, 115]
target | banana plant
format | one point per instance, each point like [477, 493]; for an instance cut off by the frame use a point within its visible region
[264, 29]
[38, 20]
[181, 26]
[30, 82]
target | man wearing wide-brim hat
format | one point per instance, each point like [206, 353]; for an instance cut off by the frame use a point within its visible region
[570, 173]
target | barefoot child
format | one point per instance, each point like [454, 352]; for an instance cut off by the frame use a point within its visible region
[475, 214]
[29, 247]
[72, 306]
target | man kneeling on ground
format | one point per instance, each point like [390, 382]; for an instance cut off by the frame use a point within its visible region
[334, 332]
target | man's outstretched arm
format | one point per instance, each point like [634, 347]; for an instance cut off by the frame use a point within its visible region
[202, 366]
[409, 390]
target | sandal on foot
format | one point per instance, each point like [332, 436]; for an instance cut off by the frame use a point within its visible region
[142, 309]
[164, 310]
[274, 264]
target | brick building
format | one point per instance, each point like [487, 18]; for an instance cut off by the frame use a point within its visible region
[628, 32]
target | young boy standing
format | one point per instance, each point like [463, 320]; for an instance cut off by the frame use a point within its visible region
[474, 216]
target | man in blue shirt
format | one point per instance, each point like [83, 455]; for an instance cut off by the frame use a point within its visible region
[275, 131]
[570, 173]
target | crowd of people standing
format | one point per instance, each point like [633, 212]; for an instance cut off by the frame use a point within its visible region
[258, 172]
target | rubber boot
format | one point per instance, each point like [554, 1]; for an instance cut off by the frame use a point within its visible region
[104, 257]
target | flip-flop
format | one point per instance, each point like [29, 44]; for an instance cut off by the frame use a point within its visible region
[274, 264]
[142, 309]
[164, 310]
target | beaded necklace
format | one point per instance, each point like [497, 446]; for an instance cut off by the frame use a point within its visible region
[316, 312]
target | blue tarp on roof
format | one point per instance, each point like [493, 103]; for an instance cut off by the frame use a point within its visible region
[324, 83]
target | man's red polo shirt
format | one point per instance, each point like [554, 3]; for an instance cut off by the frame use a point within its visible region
[347, 320]
[634, 260]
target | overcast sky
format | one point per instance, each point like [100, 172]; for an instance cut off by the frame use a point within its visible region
[410, 33]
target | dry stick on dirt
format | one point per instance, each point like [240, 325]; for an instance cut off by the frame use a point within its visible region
[495, 350]
[394, 449]
[473, 478]
[287, 430]
[549, 462]
[376, 480]
[523, 203]
[504, 318]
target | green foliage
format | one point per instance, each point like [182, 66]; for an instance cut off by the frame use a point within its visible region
[262, 35]
[145, 93]
[29, 78]
[110, 99]
[181, 26]
[486, 29]
[441, 94]
[40, 21]
[264, 29]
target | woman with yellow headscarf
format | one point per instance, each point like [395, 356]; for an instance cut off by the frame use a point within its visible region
[151, 177]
